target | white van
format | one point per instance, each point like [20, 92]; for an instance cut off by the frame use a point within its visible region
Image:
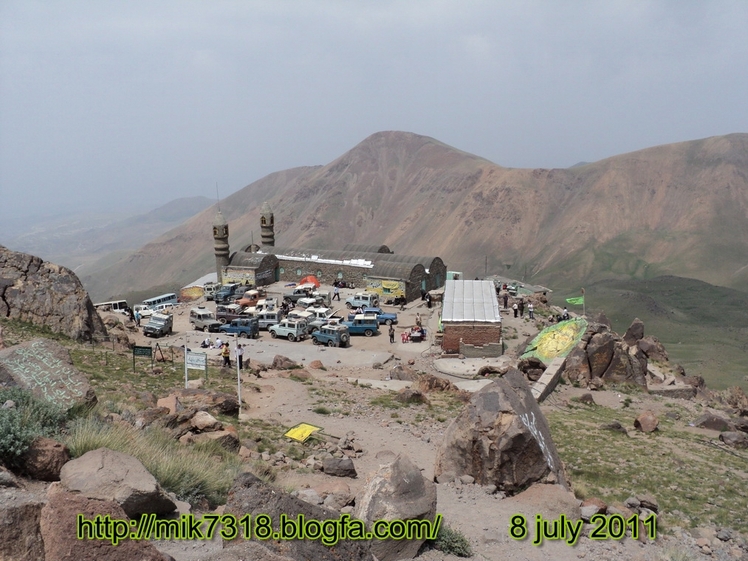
[268, 318]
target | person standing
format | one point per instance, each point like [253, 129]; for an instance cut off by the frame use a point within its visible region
[336, 293]
[521, 308]
[515, 308]
[531, 310]
[226, 354]
[392, 333]
[240, 356]
[506, 300]
[137, 318]
[428, 300]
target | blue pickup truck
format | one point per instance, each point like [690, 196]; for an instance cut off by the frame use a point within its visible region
[382, 316]
[244, 328]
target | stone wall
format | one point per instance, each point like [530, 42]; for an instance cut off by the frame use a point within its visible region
[487, 350]
[479, 334]
[326, 273]
[46, 295]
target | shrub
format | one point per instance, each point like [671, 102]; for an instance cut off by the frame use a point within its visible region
[452, 542]
[321, 410]
[20, 425]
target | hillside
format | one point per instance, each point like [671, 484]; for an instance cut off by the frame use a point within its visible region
[678, 209]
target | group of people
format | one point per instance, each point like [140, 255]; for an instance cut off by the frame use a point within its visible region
[225, 351]
[519, 308]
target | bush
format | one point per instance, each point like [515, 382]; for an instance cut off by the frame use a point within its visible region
[452, 542]
[20, 425]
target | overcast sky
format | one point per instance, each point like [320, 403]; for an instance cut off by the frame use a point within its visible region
[141, 102]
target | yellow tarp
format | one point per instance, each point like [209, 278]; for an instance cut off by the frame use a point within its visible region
[556, 340]
[302, 432]
[392, 285]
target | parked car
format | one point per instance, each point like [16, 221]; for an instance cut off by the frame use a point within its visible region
[228, 293]
[332, 335]
[362, 300]
[159, 325]
[158, 308]
[386, 318]
[244, 328]
[320, 317]
[293, 330]
[301, 291]
[225, 314]
[251, 297]
[362, 325]
[203, 319]
[266, 318]
[210, 289]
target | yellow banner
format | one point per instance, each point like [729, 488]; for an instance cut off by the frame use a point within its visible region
[302, 432]
[392, 285]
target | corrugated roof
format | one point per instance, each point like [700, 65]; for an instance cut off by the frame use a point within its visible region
[470, 301]
[365, 248]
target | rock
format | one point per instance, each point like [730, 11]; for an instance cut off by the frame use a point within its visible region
[409, 395]
[595, 384]
[20, 536]
[227, 439]
[577, 369]
[646, 422]
[634, 333]
[195, 384]
[217, 402]
[7, 479]
[171, 402]
[317, 365]
[47, 295]
[250, 495]
[628, 365]
[592, 506]
[45, 368]
[203, 421]
[549, 501]
[44, 459]
[108, 475]
[339, 467]
[58, 526]
[310, 496]
[648, 502]
[741, 424]
[677, 391]
[615, 426]
[148, 416]
[587, 399]
[428, 383]
[600, 353]
[281, 362]
[734, 439]
[377, 366]
[467, 480]
[397, 491]
[501, 437]
[652, 347]
[712, 422]
[402, 372]
[447, 477]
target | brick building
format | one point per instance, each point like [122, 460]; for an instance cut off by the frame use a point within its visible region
[471, 319]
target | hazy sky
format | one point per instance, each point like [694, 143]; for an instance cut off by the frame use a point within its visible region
[141, 102]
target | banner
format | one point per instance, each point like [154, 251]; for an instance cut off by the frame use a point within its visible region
[577, 301]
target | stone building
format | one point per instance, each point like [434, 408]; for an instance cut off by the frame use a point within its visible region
[471, 319]
[374, 268]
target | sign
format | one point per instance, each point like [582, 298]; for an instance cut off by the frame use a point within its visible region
[142, 351]
[302, 432]
[196, 361]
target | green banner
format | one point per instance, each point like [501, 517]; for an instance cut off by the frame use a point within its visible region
[577, 300]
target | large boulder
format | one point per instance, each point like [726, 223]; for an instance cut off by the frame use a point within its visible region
[44, 458]
[634, 333]
[628, 364]
[59, 519]
[396, 491]
[600, 352]
[20, 537]
[45, 369]
[652, 347]
[501, 438]
[217, 402]
[250, 495]
[281, 362]
[577, 368]
[113, 476]
[47, 295]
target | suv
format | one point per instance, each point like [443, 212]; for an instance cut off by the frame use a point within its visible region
[159, 325]
[293, 330]
[210, 289]
[268, 318]
[382, 316]
[362, 325]
[228, 292]
[225, 314]
[203, 320]
[245, 328]
[302, 291]
[332, 335]
[362, 300]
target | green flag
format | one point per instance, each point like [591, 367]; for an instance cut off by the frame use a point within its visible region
[577, 300]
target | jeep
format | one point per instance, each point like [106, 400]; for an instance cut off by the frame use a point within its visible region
[332, 335]
[203, 320]
[386, 318]
[159, 325]
[362, 325]
[293, 330]
[362, 300]
[244, 328]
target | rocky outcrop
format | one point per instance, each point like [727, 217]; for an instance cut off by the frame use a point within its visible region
[250, 495]
[397, 491]
[501, 438]
[113, 476]
[47, 295]
[20, 537]
[45, 369]
[44, 459]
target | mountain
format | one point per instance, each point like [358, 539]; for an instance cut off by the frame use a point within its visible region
[88, 242]
[678, 209]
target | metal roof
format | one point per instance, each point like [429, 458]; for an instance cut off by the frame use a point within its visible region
[365, 248]
[470, 301]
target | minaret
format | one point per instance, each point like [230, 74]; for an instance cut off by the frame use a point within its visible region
[267, 224]
[221, 244]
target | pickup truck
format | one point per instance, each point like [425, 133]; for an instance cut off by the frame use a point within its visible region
[362, 300]
[362, 325]
[159, 325]
[225, 314]
[203, 320]
[245, 328]
[332, 335]
[382, 316]
[293, 330]
[301, 291]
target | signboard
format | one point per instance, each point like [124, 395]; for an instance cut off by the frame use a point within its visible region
[302, 432]
[197, 361]
[142, 351]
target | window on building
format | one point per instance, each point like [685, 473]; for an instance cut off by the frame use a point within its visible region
[298, 272]
[282, 270]
[340, 275]
[319, 275]
[386, 291]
